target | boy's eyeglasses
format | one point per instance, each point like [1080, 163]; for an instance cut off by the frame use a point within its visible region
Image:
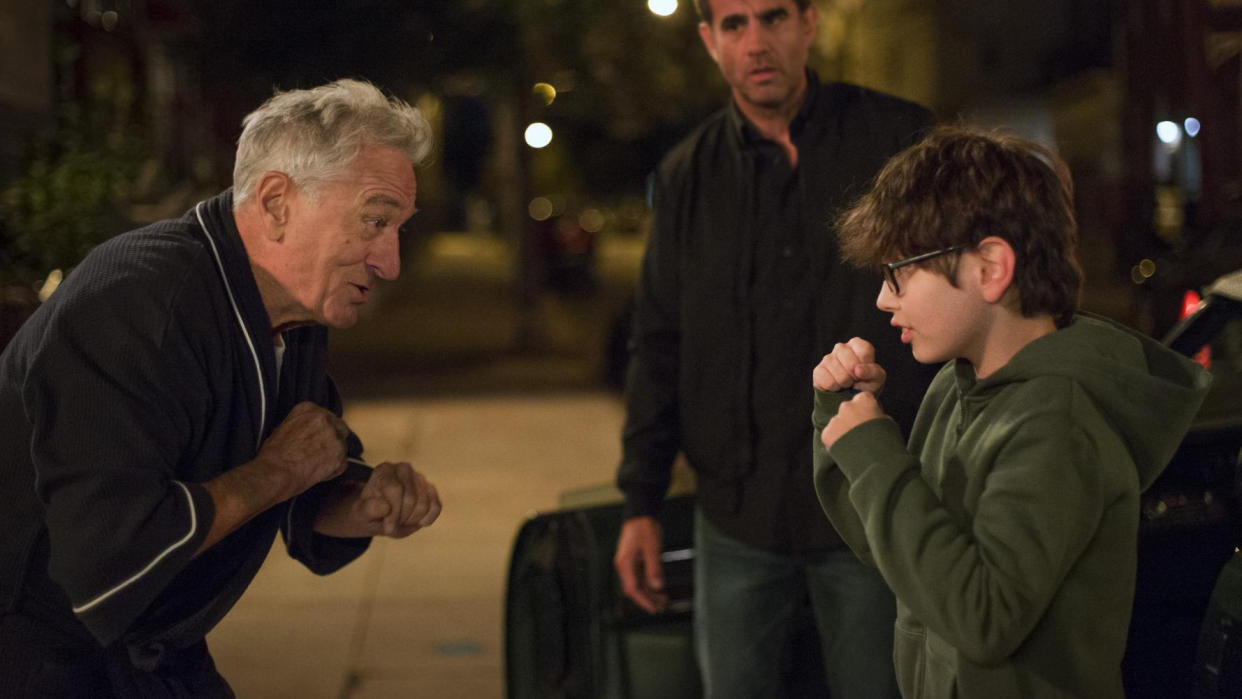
[889, 269]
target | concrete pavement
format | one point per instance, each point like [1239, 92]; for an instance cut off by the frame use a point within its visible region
[422, 617]
[434, 374]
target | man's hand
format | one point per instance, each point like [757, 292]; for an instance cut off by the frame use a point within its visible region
[638, 563]
[306, 448]
[852, 413]
[851, 365]
[396, 502]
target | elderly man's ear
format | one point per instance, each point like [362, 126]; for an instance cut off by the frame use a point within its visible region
[273, 192]
[997, 261]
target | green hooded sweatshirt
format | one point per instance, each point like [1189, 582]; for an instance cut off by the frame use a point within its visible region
[1008, 528]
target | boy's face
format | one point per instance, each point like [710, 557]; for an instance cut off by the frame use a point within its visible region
[938, 320]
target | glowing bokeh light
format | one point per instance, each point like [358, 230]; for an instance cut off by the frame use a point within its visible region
[538, 135]
[545, 92]
[540, 208]
[591, 220]
[663, 8]
[1169, 133]
[1192, 126]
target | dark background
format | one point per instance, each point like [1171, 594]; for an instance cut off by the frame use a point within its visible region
[116, 112]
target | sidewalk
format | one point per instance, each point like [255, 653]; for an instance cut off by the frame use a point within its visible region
[433, 374]
[422, 617]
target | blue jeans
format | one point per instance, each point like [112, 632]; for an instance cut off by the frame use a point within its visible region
[745, 602]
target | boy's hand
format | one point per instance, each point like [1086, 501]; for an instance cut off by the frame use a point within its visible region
[852, 413]
[851, 365]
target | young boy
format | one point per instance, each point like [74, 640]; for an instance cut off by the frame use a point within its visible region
[1008, 527]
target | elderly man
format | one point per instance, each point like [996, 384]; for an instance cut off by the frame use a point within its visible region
[167, 410]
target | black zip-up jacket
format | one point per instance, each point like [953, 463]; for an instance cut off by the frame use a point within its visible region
[150, 371]
[689, 381]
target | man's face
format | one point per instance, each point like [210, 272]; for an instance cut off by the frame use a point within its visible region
[761, 47]
[345, 235]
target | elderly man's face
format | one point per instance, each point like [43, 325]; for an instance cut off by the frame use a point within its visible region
[345, 236]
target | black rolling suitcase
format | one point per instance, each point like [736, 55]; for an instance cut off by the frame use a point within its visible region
[569, 632]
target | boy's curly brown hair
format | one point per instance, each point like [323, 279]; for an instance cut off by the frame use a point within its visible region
[960, 185]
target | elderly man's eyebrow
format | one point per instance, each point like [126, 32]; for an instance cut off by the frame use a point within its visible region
[383, 200]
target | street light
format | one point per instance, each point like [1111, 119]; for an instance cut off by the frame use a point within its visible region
[1169, 133]
[545, 92]
[663, 8]
[538, 135]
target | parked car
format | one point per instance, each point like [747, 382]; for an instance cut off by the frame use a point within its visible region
[1191, 526]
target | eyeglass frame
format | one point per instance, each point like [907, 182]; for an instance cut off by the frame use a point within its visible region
[889, 269]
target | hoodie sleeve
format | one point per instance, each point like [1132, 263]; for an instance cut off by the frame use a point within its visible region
[981, 580]
[111, 395]
[830, 484]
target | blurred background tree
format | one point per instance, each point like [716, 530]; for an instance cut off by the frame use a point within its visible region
[78, 172]
[145, 99]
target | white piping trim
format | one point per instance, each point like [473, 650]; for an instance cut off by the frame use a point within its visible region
[258, 368]
[193, 528]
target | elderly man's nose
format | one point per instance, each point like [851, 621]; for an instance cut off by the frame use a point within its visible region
[385, 258]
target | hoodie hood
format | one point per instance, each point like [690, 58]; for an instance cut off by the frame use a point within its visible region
[1148, 393]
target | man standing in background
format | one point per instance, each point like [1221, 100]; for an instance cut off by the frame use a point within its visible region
[741, 261]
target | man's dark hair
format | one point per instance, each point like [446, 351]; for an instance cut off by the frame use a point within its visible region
[961, 185]
[704, 8]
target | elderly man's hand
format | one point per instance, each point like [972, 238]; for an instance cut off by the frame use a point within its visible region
[306, 448]
[850, 365]
[397, 501]
[852, 413]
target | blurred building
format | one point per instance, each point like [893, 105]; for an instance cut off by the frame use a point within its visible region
[1158, 209]
[25, 78]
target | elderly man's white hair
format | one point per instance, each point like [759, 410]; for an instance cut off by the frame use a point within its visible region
[313, 135]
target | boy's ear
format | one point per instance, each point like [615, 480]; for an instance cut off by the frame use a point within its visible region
[996, 268]
[273, 192]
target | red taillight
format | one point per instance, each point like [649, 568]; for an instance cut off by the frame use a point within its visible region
[1190, 304]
